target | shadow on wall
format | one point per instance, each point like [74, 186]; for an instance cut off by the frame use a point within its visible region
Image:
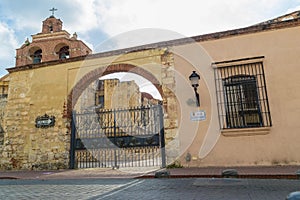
[3, 102]
[1, 138]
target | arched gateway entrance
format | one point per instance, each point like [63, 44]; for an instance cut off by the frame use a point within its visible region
[130, 136]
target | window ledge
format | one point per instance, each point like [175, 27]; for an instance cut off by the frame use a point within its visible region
[245, 132]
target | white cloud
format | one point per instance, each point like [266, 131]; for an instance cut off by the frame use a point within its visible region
[81, 15]
[294, 8]
[137, 37]
[77, 15]
[8, 43]
[20, 14]
[134, 22]
[189, 17]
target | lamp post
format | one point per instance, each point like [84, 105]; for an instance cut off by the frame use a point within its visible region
[194, 78]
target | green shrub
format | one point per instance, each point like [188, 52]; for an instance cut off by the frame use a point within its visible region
[175, 164]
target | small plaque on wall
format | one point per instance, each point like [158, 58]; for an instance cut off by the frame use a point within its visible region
[198, 115]
[44, 121]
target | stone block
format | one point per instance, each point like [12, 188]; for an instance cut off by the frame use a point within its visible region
[168, 80]
[170, 73]
[44, 158]
[170, 124]
[230, 173]
[56, 156]
[25, 113]
[50, 156]
[162, 174]
[32, 158]
[65, 156]
[172, 154]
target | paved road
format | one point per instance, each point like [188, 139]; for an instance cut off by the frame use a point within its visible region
[192, 188]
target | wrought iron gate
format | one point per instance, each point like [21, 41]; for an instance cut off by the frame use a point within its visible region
[116, 138]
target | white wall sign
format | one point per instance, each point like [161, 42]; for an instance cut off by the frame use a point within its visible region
[199, 115]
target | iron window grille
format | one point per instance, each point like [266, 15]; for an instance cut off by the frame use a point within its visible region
[242, 96]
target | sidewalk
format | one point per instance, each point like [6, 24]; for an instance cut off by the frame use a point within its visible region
[274, 172]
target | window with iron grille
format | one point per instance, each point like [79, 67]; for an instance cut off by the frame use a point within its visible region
[242, 96]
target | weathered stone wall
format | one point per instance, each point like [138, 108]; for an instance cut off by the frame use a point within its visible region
[117, 95]
[170, 104]
[121, 94]
[45, 89]
[33, 93]
[3, 102]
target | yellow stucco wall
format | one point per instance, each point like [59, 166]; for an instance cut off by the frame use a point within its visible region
[45, 90]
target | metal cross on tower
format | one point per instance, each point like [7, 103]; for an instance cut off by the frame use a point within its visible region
[53, 10]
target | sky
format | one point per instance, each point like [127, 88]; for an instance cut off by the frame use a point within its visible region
[111, 24]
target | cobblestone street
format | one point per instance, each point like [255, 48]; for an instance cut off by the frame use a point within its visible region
[191, 188]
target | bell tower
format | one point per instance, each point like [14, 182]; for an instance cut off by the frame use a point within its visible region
[53, 43]
[52, 25]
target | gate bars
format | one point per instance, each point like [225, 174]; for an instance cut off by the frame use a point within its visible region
[116, 138]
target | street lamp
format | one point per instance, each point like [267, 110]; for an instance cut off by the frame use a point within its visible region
[194, 78]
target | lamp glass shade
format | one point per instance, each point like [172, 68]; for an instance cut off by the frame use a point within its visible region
[194, 78]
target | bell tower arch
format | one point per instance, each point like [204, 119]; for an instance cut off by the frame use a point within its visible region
[50, 42]
[52, 25]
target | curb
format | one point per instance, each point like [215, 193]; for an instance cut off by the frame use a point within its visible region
[290, 172]
[8, 178]
[254, 176]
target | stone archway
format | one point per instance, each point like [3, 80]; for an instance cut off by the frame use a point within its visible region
[130, 135]
[97, 73]
[165, 86]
